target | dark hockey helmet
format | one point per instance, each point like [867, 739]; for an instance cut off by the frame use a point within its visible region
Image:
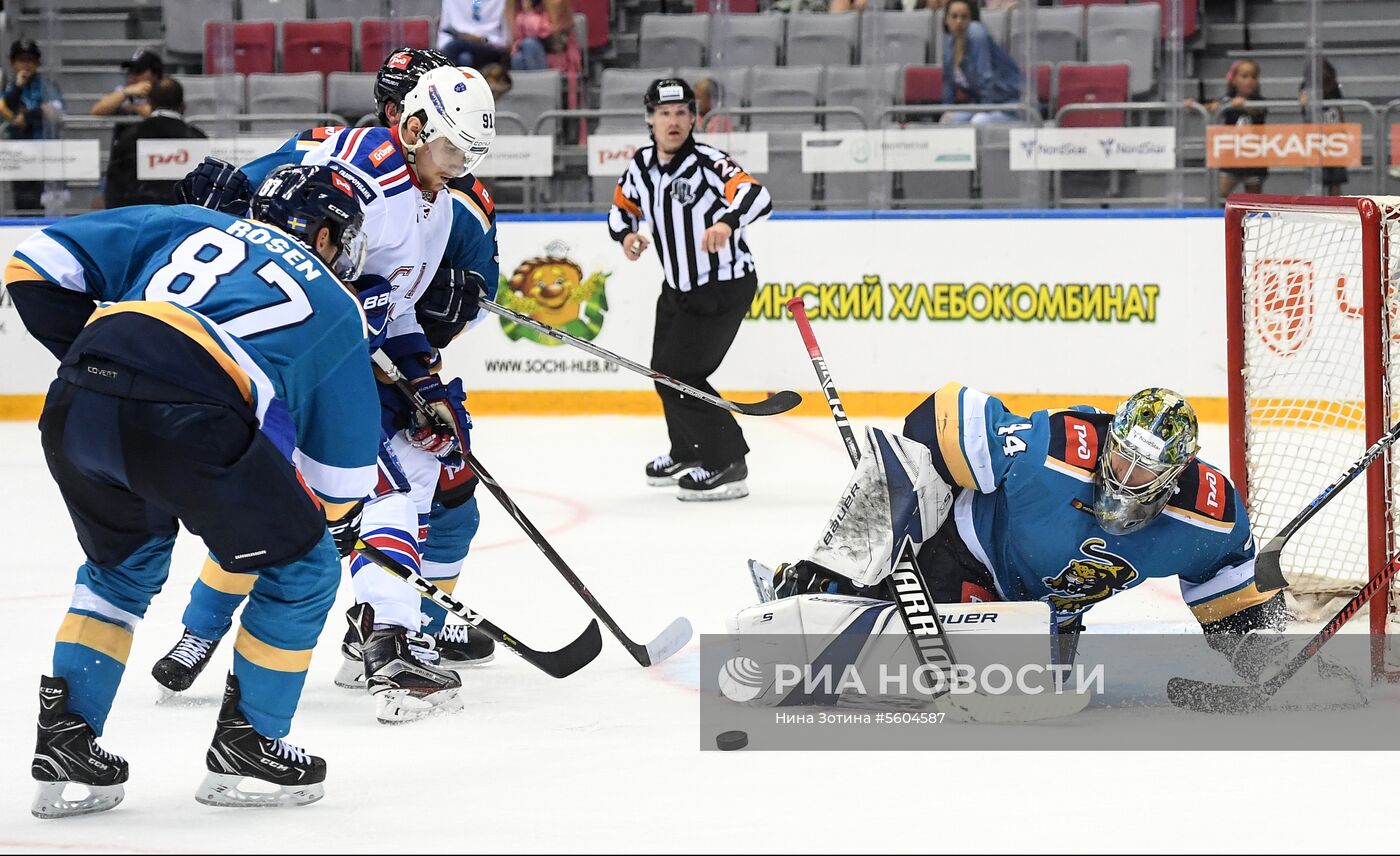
[400, 72]
[668, 90]
[1152, 439]
[301, 199]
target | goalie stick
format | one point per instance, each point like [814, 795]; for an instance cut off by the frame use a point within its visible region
[558, 664]
[1234, 698]
[669, 641]
[779, 402]
[909, 590]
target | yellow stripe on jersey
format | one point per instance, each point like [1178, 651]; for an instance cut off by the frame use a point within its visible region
[1229, 603]
[476, 210]
[186, 323]
[219, 579]
[101, 636]
[259, 653]
[447, 584]
[18, 270]
[948, 429]
[1201, 520]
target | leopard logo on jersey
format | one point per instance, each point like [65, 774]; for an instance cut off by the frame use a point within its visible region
[1085, 582]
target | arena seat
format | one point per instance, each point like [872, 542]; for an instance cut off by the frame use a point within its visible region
[822, 39]
[748, 40]
[242, 48]
[323, 46]
[895, 37]
[668, 40]
[1082, 82]
[272, 10]
[1059, 34]
[1127, 34]
[380, 37]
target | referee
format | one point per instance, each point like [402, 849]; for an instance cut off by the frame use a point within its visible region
[697, 201]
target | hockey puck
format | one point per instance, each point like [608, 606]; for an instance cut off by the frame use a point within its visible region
[731, 740]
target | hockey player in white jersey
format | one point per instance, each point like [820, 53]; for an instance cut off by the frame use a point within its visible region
[412, 226]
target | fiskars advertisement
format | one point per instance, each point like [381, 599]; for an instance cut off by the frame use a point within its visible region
[1230, 146]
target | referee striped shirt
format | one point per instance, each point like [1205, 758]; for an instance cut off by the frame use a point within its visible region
[697, 188]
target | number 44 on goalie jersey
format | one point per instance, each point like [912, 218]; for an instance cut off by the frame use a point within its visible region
[1024, 509]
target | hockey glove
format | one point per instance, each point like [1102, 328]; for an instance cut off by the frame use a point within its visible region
[447, 433]
[374, 292]
[346, 530]
[452, 301]
[218, 185]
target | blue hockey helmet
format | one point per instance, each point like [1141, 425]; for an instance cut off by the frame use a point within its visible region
[301, 200]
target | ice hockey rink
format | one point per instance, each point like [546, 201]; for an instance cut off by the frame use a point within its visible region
[609, 759]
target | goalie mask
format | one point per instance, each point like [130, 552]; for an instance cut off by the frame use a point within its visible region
[1152, 438]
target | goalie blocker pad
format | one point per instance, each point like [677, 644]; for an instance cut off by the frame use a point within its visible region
[895, 492]
[843, 632]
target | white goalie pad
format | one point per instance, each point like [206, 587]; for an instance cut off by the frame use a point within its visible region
[895, 492]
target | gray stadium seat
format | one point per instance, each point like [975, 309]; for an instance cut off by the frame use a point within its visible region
[1127, 34]
[669, 40]
[272, 10]
[213, 94]
[896, 37]
[733, 82]
[785, 180]
[533, 93]
[822, 39]
[184, 22]
[869, 87]
[357, 9]
[622, 89]
[747, 40]
[1059, 34]
[350, 94]
[997, 22]
[397, 9]
[784, 87]
[285, 93]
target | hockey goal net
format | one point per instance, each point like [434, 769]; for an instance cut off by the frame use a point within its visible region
[1313, 312]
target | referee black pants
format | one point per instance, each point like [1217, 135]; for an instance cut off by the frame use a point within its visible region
[694, 330]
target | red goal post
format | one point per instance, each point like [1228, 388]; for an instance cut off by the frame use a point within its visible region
[1313, 325]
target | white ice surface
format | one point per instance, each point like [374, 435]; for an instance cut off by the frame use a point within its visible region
[609, 759]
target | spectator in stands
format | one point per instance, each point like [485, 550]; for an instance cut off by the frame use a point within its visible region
[476, 33]
[1333, 177]
[708, 96]
[32, 109]
[142, 71]
[498, 78]
[976, 70]
[166, 122]
[1241, 87]
[542, 27]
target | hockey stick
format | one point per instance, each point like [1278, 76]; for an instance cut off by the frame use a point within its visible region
[1233, 698]
[669, 641]
[779, 402]
[1267, 563]
[558, 664]
[909, 590]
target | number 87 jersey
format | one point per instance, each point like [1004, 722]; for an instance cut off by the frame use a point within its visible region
[262, 304]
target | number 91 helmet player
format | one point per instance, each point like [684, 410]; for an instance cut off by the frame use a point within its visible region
[447, 126]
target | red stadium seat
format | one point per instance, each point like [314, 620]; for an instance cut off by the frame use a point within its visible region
[598, 13]
[736, 7]
[323, 46]
[1086, 83]
[240, 48]
[381, 36]
[923, 84]
[1044, 71]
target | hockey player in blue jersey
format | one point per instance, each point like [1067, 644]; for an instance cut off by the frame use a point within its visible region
[214, 372]
[444, 128]
[1068, 507]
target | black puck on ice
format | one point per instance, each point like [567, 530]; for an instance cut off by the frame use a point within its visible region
[731, 740]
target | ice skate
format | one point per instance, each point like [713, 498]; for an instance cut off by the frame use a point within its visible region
[248, 770]
[177, 670]
[67, 756]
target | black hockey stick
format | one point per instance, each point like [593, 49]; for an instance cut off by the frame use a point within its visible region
[1267, 564]
[669, 641]
[1231, 698]
[779, 402]
[558, 664]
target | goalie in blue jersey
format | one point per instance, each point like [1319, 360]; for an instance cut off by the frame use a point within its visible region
[214, 372]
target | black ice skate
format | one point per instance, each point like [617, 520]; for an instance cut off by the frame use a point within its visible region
[67, 754]
[239, 752]
[727, 482]
[351, 674]
[463, 645]
[403, 679]
[663, 471]
[177, 670]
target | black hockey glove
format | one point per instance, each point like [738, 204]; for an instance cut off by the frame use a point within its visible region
[345, 531]
[806, 577]
[452, 301]
[218, 185]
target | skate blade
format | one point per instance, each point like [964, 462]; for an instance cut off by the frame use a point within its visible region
[663, 481]
[453, 663]
[227, 791]
[396, 707]
[50, 804]
[733, 490]
[351, 675]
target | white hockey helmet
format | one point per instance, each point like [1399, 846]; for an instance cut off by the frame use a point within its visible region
[456, 104]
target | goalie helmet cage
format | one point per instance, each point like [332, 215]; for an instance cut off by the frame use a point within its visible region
[1314, 372]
